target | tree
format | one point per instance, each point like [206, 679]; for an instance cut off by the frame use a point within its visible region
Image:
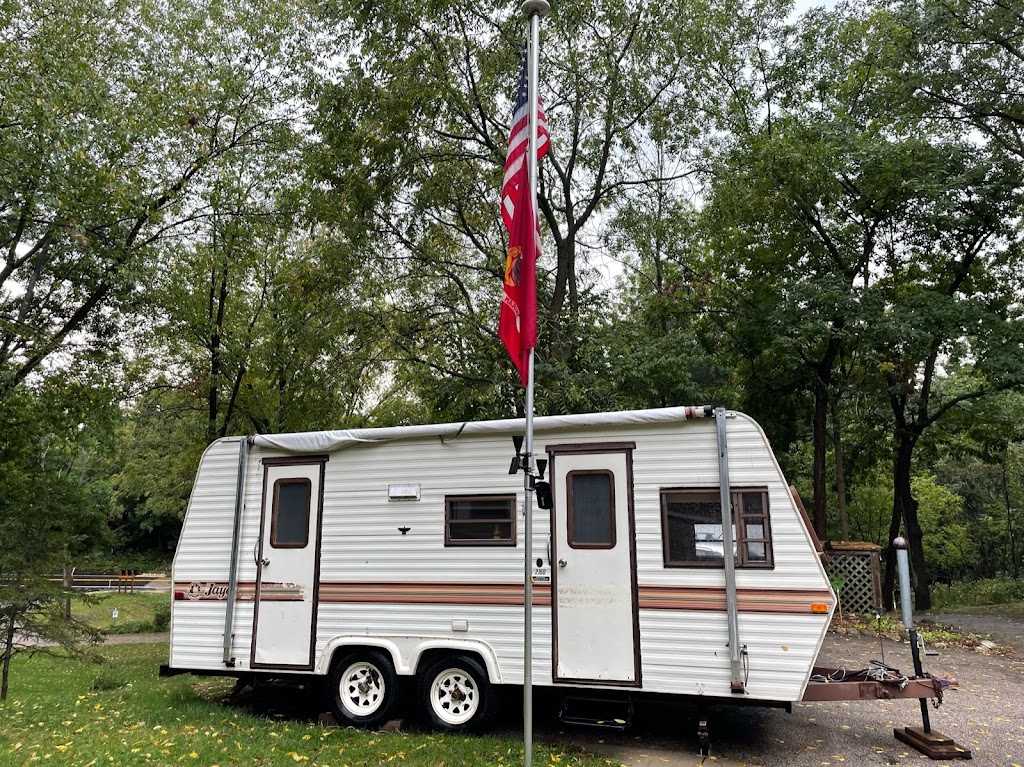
[103, 151]
[53, 505]
[863, 231]
[415, 135]
[963, 60]
[662, 349]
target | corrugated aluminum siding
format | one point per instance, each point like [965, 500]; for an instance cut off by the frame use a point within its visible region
[203, 555]
[682, 652]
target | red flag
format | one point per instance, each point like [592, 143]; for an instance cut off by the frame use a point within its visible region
[517, 325]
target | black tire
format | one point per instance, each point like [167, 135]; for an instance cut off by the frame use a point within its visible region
[363, 689]
[456, 695]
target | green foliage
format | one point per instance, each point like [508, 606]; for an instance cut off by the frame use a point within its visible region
[53, 502]
[988, 591]
[130, 627]
[110, 562]
[948, 542]
[162, 617]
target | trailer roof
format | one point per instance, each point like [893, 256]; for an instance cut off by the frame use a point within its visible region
[327, 441]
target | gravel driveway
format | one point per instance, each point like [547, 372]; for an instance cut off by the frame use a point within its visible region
[986, 715]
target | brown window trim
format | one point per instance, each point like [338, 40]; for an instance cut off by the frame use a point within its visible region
[273, 519]
[510, 520]
[571, 505]
[590, 448]
[739, 520]
[296, 460]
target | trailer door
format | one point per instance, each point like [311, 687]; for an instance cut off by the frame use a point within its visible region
[596, 630]
[287, 558]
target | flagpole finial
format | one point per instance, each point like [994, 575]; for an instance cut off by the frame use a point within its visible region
[536, 8]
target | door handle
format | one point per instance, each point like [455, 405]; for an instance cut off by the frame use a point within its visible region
[562, 563]
[264, 561]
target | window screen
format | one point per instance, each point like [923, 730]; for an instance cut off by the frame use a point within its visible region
[290, 525]
[691, 523]
[591, 510]
[480, 520]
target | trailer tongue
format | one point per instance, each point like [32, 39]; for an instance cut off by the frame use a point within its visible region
[882, 682]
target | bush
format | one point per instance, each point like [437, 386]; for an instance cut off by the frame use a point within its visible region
[162, 617]
[140, 561]
[992, 591]
[131, 627]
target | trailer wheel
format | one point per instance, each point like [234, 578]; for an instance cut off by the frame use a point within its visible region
[364, 689]
[456, 694]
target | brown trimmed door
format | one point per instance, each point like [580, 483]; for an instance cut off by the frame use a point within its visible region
[286, 565]
[596, 635]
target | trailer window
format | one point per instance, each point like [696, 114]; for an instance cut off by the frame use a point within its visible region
[289, 527]
[591, 502]
[480, 520]
[691, 528]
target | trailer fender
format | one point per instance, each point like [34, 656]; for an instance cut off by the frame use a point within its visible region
[340, 644]
[473, 647]
[406, 652]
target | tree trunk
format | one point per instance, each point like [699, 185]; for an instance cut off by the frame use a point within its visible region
[217, 302]
[837, 446]
[820, 434]
[560, 343]
[905, 505]
[8, 653]
[1011, 544]
[69, 584]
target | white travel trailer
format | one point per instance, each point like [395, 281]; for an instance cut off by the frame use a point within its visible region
[367, 555]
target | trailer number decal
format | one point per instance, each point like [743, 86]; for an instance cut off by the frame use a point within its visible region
[541, 575]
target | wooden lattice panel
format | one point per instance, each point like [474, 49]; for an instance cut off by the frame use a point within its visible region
[861, 592]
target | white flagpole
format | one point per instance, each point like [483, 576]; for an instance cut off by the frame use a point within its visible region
[534, 10]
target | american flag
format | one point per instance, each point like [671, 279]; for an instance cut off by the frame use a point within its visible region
[516, 171]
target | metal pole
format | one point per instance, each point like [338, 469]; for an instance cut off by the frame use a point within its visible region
[229, 608]
[534, 11]
[728, 557]
[903, 565]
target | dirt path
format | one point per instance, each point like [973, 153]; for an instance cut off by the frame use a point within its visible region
[136, 638]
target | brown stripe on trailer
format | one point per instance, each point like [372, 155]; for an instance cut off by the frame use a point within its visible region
[709, 598]
[694, 599]
[433, 593]
[776, 601]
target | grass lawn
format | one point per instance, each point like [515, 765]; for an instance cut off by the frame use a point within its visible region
[135, 612]
[64, 712]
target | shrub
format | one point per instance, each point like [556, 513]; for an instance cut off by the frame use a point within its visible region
[992, 591]
[162, 617]
[131, 627]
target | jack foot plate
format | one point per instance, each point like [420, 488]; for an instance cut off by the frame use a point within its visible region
[932, 744]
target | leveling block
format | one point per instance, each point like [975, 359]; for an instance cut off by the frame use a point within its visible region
[932, 744]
